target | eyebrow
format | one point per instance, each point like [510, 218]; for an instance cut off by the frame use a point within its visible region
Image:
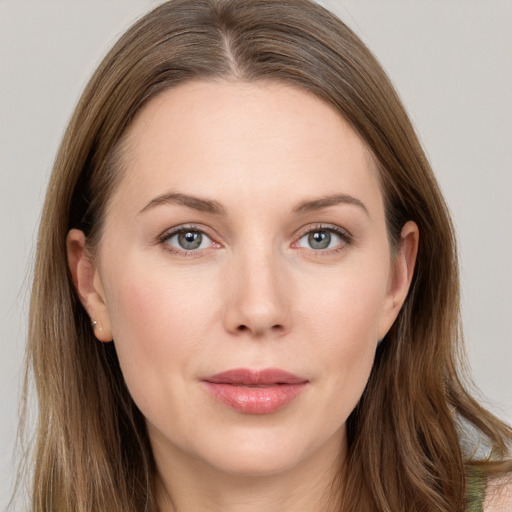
[216, 208]
[327, 201]
[196, 203]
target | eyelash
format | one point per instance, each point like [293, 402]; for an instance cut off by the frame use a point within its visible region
[345, 237]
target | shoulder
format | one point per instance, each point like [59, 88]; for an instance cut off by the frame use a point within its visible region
[498, 494]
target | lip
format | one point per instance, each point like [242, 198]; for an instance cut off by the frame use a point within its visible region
[255, 391]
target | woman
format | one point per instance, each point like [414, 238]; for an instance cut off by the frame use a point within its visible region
[246, 290]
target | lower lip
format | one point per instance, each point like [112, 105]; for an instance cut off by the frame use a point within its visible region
[253, 399]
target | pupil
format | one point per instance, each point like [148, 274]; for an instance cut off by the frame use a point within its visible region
[190, 239]
[319, 239]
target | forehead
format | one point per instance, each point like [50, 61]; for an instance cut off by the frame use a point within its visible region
[237, 140]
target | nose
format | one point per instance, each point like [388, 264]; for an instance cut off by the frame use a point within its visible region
[259, 296]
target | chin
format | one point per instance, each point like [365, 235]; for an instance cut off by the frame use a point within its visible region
[261, 452]
[255, 463]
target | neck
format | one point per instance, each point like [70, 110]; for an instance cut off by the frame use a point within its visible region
[313, 486]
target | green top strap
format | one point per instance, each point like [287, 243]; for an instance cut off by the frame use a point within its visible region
[475, 492]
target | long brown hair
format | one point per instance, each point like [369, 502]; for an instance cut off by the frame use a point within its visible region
[404, 438]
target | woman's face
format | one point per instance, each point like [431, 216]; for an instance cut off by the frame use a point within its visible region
[245, 275]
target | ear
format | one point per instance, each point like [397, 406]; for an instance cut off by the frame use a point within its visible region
[89, 287]
[402, 271]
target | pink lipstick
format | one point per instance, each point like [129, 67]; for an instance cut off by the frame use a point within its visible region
[255, 391]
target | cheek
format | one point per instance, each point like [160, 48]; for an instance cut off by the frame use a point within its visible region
[159, 321]
[351, 337]
[348, 305]
[152, 305]
[343, 321]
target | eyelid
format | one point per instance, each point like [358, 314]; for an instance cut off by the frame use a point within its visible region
[344, 233]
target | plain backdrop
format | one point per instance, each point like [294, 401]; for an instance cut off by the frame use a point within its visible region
[451, 62]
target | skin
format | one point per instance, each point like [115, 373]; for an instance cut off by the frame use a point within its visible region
[256, 294]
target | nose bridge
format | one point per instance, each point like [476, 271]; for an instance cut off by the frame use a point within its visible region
[258, 302]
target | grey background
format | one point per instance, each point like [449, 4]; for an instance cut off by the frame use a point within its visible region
[451, 63]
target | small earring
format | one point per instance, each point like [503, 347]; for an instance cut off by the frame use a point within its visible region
[94, 323]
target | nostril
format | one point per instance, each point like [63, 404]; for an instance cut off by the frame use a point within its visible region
[275, 328]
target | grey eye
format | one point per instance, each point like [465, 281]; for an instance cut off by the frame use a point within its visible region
[319, 239]
[189, 240]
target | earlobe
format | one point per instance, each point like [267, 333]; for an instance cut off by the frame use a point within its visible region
[88, 285]
[401, 275]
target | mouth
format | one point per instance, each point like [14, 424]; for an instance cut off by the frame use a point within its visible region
[255, 391]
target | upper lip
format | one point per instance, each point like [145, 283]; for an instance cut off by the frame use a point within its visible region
[250, 377]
